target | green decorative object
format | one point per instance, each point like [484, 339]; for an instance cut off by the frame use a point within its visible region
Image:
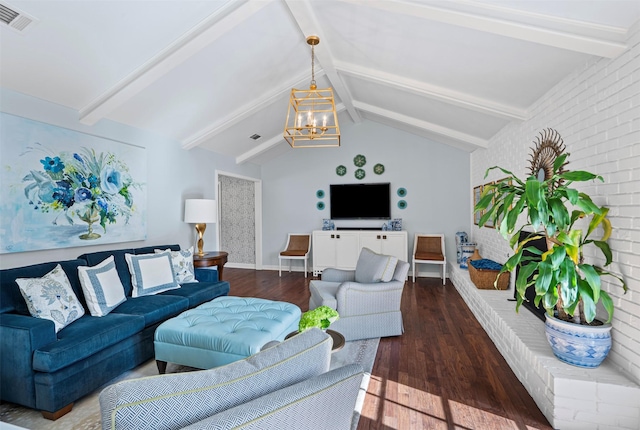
[378, 169]
[402, 192]
[341, 170]
[321, 318]
[360, 174]
[360, 160]
[320, 194]
[402, 204]
[320, 206]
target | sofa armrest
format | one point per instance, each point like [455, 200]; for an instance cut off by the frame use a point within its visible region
[359, 299]
[206, 275]
[20, 336]
[325, 401]
[338, 275]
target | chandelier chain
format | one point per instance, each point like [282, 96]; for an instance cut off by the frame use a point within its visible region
[313, 73]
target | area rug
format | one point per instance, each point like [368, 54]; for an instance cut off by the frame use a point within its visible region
[86, 411]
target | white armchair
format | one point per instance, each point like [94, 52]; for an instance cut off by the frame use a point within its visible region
[367, 309]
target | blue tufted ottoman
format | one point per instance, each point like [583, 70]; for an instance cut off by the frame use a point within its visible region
[222, 331]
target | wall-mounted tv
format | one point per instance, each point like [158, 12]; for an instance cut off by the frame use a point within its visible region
[360, 201]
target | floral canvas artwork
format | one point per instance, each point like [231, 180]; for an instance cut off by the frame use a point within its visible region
[62, 188]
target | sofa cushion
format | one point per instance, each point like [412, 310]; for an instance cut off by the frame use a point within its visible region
[199, 292]
[151, 249]
[372, 267]
[103, 290]
[154, 309]
[84, 338]
[51, 297]
[96, 258]
[177, 400]
[151, 273]
[182, 263]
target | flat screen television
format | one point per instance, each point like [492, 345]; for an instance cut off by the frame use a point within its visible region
[530, 293]
[360, 201]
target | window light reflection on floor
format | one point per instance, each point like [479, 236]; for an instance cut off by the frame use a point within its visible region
[399, 406]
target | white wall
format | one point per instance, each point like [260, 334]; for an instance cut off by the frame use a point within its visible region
[597, 112]
[436, 177]
[173, 174]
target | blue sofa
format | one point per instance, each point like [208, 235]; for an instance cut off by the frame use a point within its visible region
[47, 371]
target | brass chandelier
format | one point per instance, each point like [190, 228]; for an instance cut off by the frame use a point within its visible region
[312, 120]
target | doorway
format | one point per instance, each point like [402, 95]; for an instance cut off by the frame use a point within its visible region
[239, 219]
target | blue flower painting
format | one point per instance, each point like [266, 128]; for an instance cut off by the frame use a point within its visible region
[76, 189]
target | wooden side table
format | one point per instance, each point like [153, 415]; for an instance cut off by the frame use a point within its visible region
[338, 339]
[214, 258]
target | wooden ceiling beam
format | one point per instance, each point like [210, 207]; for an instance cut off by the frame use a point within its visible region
[209, 30]
[587, 38]
[308, 23]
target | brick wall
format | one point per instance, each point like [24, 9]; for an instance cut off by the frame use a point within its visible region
[596, 110]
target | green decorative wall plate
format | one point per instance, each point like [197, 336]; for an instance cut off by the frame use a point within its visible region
[378, 169]
[402, 204]
[360, 174]
[320, 206]
[341, 170]
[360, 160]
[320, 194]
[402, 192]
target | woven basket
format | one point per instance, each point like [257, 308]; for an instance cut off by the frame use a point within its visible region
[484, 278]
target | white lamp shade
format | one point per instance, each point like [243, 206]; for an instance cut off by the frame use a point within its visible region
[200, 211]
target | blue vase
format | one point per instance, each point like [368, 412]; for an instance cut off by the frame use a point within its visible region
[461, 237]
[467, 251]
[576, 344]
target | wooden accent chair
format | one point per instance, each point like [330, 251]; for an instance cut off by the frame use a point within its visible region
[429, 249]
[298, 247]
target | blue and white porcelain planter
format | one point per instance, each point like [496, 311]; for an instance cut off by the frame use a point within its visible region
[580, 345]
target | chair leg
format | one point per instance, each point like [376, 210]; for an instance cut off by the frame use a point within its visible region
[280, 270]
[290, 261]
[444, 273]
[305, 267]
[414, 271]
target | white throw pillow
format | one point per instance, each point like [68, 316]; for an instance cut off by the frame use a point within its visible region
[372, 267]
[151, 273]
[102, 287]
[51, 297]
[182, 262]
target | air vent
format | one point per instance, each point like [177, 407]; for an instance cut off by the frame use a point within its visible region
[255, 136]
[15, 19]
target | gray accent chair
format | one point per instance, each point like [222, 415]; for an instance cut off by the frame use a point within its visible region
[286, 386]
[367, 309]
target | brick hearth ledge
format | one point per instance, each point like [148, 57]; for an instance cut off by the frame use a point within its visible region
[569, 396]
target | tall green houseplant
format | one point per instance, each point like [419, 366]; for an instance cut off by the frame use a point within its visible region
[554, 209]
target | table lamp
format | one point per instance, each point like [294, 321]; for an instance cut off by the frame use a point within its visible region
[200, 212]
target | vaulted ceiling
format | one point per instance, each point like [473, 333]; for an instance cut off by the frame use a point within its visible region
[211, 73]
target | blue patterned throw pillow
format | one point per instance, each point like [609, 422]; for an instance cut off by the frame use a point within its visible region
[51, 297]
[182, 262]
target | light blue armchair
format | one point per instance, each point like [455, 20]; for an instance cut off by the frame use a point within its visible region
[368, 299]
[286, 386]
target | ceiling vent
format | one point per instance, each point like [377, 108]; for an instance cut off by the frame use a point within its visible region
[15, 19]
[255, 136]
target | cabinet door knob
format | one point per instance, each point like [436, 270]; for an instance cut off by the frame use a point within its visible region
[338, 236]
[384, 237]
[333, 236]
[378, 237]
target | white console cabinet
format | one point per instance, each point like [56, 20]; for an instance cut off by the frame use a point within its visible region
[341, 248]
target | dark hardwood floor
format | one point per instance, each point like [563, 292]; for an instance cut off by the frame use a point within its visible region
[442, 373]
